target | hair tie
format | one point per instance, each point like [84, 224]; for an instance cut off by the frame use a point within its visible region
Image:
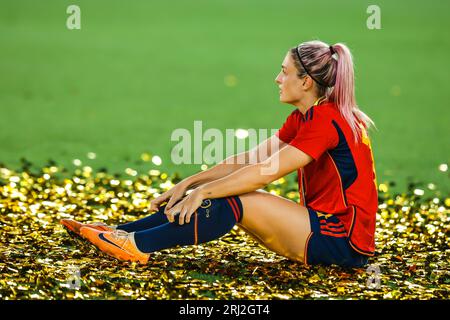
[332, 50]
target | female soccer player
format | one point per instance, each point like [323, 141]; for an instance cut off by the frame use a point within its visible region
[324, 139]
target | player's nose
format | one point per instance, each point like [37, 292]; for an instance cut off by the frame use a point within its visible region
[277, 79]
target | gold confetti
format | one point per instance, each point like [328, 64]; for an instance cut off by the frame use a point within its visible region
[230, 80]
[39, 260]
[146, 157]
[157, 160]
[91, 155]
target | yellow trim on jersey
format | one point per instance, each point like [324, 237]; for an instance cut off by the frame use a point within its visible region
[319, 100]
[326, 215]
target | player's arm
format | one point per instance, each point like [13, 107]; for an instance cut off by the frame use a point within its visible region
[233, 163]
[226, 167]
[244, 180]
[256, 176]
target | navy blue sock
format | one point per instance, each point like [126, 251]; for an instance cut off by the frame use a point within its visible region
[213, 219]
[153, 220]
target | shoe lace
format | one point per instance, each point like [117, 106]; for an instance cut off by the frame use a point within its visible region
[99, 224]
[120, 234]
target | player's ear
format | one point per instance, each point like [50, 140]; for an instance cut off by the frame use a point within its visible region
[307, 82]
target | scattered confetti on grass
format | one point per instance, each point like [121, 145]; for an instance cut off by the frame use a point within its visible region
[39, 260]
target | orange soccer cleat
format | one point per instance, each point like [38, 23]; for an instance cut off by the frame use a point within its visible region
[75, 226]
[118, 244]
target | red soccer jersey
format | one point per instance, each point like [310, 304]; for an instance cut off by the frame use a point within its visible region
[341, 179]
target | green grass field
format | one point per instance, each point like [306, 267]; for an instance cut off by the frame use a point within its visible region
[137, 70]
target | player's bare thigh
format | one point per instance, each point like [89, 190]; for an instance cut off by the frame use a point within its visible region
[278, 223]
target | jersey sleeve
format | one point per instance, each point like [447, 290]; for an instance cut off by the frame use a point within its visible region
[290, 127]
[316, 135]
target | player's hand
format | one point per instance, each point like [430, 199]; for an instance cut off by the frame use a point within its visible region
[170, 196]
[186, 207]
[178, 192]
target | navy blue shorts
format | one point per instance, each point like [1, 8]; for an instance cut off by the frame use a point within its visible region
[328, 243]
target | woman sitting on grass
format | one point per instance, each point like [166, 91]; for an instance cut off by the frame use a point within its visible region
[324, 139]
